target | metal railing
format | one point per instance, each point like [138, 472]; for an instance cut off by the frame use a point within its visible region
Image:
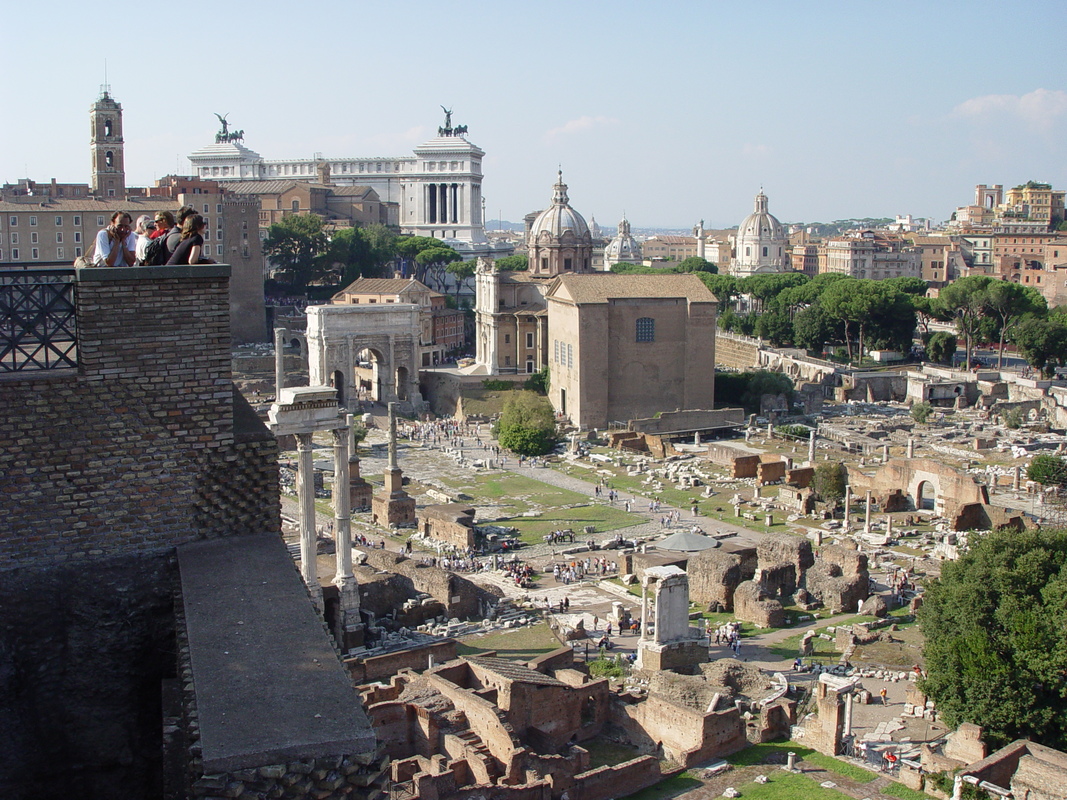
[38, 320]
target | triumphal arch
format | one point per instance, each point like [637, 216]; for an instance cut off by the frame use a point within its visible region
[375, 344]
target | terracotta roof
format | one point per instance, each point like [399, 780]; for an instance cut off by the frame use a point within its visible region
[105, 206]
[269, 187]
[606, 286]
[672, 239]
[513, 671]
[351, 191]
[382, 286]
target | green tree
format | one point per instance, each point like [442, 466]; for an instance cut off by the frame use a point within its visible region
[775, 327]
[965, 301]
[941, 347]
[908, 285]
[512, 263]
[813, 328]
[1008, 303]
[920, 412]
[460, 270]
[527, 425]
[995, 631]
[829, 481]
[1043, 342]
[1048, 470]
[724, 287]
[433, 262]
[697, 264]
[361, 252]
[538, 382]
[296, 244]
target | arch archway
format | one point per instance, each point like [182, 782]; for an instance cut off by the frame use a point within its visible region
[925, 496]
[295, 344]
[338, 382]
[369, 374]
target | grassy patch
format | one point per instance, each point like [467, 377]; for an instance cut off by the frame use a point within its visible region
[603, 753]
[519, 645]
[783, 785]
[668, 787]
[904, 792]
[515, 495]
[858, 774]
[759, 753]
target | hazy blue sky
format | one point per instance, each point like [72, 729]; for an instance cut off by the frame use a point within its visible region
[671, 111]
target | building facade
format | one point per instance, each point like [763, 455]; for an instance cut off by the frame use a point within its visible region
[761, 245]
[436, 191]
[629, 346]
[871, 255]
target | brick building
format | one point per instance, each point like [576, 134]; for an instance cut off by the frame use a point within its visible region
[629, 346]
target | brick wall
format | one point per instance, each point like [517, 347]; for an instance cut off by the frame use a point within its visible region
[103, 471]
[135, 453]
[460, 597]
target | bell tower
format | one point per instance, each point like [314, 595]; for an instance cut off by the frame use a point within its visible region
[105, 142]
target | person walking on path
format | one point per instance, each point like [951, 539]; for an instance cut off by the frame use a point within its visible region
[884, 695]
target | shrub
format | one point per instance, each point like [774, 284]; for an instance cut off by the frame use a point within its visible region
[920, 412]
[497, 385]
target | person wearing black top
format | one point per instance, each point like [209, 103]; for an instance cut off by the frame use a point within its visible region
[192, 243]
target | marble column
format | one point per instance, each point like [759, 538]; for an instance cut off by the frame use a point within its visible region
[848, 508]
[911, 448]
[867, 521]
[644, 610]
[1015, 479]
[279, 362]
[342, 513]
[811, 449]
[305, 492]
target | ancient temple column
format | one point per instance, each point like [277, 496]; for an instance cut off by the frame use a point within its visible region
[342, 513]
[644, 609]
[279, 361]
[888, 525]
[848, 507]
[392, 438]
[1015, 479]
[811, 449]
[305, 492]
[350, 424]
[885, 454]
[867, 521]
[911, 448]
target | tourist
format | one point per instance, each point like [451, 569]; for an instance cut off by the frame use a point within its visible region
[189, 249]
[142, 230]
[884, 695]
[116, 245]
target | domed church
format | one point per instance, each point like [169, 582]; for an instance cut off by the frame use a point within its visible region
[761, 245]
[558, 240]
[623, 249]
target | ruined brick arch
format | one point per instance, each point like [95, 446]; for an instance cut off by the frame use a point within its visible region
[922, 477]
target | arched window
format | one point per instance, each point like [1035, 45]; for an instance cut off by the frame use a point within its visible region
[748, 251]
[109, 159]
[764, 252]
[646, 329]
[296, 205]
[107, 127]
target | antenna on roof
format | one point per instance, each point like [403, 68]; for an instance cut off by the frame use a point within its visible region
[105, 87]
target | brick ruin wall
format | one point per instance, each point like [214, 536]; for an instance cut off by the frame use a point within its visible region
[103, 471]
[686, 737]
[460, 597]
[736, 353]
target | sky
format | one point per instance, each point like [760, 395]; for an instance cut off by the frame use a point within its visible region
[669, 112]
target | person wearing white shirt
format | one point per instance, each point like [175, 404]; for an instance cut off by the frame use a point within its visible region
[116, 245]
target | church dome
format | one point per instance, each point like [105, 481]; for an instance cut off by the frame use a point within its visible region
[761, 224]
[623, 249]
[761, 242]
[559, 218]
